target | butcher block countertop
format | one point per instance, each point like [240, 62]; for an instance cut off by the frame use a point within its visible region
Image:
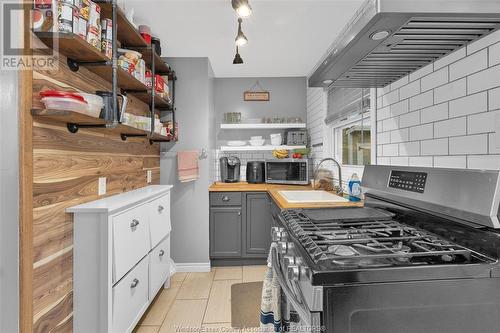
[273, 190]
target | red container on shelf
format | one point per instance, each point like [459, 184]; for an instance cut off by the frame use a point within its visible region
[159, 82]
[145, 32]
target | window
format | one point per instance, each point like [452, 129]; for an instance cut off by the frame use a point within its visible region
[349, 122]
[352, 141]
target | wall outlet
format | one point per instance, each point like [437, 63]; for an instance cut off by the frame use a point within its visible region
[102, 186]
[150, 176]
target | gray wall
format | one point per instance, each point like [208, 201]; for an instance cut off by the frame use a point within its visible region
[288, 99]
[190, 213]
[9, 202]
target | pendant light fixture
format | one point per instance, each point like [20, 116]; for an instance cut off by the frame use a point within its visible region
[242, 7]
[237, 58]
[240, 39]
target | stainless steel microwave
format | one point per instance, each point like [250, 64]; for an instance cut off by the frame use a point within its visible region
[287, 171]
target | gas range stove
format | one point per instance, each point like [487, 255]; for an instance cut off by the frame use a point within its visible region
[346, 241]
[419, 257]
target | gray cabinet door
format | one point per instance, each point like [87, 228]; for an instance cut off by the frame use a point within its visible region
[225, 232]
[258, 220]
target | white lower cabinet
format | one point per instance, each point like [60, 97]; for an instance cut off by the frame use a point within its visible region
[159, 266]
[130, 297]
[121, 258]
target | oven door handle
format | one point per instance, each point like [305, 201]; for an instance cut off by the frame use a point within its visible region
[297, 304]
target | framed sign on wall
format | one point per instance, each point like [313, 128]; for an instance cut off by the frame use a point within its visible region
[256, 95]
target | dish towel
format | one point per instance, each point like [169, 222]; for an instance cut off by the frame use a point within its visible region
[187, 165]
[270, 307]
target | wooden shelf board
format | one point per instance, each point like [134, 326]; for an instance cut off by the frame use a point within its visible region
[146, 98]
[125, 80]
[259, 148]
[72, 46]
[160, 65]
[157, 136]
[263, 126]
[65, 117]
[127, 34]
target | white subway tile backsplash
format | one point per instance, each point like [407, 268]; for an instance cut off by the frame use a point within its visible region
[380, 150]
[434, 113]
[399, 83]
[399, 108]
[450, 58]
[422, 132]
[457, 162]
[434, 147]
[487, 79]
[383, 160]
[384, 137]
[409, 119]
[384, 113]
[450, 91]
[390, 150]
[421, 101]
[452, 127]
[421, 72]
[399, 135]
[435, 79]
[400, 161]
[469, 105]
[469, 145]
[494, 99]
[390, 98]
[494, 143]
[421, 161]
[390, 124]
[483, 42]
[471, 64]
[409, 148]
[488, 162]
[409, 90]
[482, 122]
[494, 55]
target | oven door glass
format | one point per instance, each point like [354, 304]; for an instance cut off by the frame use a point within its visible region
[284, 171]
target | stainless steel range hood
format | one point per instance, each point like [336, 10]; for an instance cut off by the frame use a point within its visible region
[418, 32]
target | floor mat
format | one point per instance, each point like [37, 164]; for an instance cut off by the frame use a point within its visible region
[245, 304]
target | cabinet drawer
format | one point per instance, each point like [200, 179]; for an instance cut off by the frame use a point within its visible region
[159, 222]
[130, 298]
[225, 199]
[130, 240]
[159, 266]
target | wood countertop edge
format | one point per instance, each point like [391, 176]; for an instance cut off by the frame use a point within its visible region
[272, 190]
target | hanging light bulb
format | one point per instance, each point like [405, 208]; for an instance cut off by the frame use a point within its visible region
[240, 39]
[237, 58]
[242, 7]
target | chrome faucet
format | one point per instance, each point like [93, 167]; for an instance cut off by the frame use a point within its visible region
[340, 189]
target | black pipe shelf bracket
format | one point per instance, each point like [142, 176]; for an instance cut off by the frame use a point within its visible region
[74, 65]
[124, 136]
[73, 128]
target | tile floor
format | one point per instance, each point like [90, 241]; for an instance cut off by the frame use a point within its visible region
[197, 300]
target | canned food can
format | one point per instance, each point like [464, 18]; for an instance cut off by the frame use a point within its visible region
[66, 17]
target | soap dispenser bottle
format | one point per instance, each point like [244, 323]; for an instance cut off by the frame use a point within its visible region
[355, 191]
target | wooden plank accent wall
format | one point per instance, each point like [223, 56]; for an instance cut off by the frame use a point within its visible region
[66, 168]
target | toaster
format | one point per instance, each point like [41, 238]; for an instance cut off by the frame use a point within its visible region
[296, 137]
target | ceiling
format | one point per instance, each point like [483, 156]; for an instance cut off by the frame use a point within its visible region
[286, 38]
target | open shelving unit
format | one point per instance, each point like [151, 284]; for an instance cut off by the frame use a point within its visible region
[263, 126]
[79, 53]
[258, 148]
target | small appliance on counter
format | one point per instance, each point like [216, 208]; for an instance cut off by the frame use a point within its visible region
[230, 169]
[287, 171]
[296, 138]
[256, 172]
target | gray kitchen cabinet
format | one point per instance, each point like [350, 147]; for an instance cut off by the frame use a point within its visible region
[240, 228]
[225, 232]
[258, 224]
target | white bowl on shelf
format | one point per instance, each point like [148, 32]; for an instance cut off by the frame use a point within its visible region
[255, 138]
[257, 142]
[236, 143]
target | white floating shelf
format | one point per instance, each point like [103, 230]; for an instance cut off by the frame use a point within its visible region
[263, 126]
[259, 148]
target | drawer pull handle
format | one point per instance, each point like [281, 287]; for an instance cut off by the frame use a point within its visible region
[225, 198]
[160, 208]
[239, 213]
[134, 284]
[134, 223]
[162, 253]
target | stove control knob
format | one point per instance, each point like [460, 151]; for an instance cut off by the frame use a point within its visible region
[282, 247]
[277, 233]
[290, 246]
[289, 260]
[293, 273]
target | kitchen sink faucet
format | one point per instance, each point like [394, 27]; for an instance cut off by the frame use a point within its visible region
[340, 190]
